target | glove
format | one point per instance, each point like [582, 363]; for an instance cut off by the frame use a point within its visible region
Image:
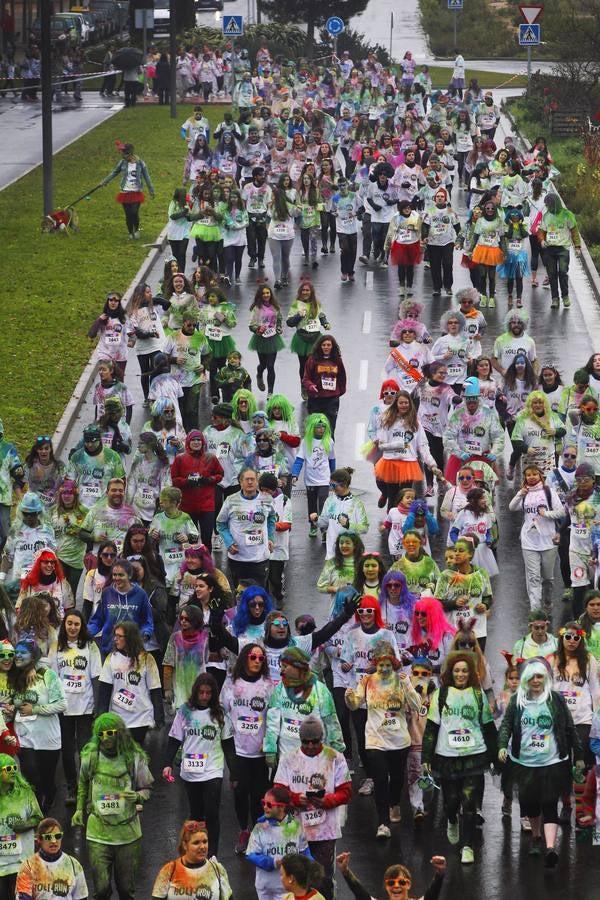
[77, 819]
[351, 604]
[271, 760]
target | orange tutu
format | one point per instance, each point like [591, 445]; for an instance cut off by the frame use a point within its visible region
[397, 471]
[487, 256]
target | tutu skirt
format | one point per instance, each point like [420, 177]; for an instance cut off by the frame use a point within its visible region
[301, 346]
[487, 256]
[266, 345]
[397, 471]
[406, 254]
[221, 349]
[130, 197]
[514, 264]
[485, 559]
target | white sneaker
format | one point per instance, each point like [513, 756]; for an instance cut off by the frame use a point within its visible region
[467, 856]
[395, 815]
[383, 832]
[525, 824]
[453, 833]
[217, 543]
[366, 788]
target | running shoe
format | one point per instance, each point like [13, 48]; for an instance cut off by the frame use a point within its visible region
[217, 543]
[260, 382]
[551, 858]
[536, 847]
[566, 302]
[313, 531]
[506, 808]
[324, 250]
[525, 824]
[252, 262]
[382, 501]
[383, 832]
[395, 814]
[483, 301]
[555, 303]
[492, 302]
[364, 260]
[453, 833]
[344, 276]
[366, 788]
[467, 856]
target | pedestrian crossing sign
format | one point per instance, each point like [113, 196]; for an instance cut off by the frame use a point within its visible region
[529, 35]
[455, 4]
[233, 26]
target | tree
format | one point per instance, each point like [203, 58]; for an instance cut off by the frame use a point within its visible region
[313, 13]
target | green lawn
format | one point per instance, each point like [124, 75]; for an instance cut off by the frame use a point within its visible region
[441, 75]
[58, 283]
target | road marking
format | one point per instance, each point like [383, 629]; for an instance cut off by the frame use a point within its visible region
[363, 374]
[369, 281]
[366, 325]
[359, 440]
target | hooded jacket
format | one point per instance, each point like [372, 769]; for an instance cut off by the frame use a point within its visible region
[198, 492]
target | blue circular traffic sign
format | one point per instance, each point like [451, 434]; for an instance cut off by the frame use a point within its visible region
[334, 26]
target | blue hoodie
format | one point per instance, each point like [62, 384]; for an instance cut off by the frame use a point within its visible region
[115, 607]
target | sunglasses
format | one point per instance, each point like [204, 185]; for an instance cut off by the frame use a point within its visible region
[465, 478]
[108, 732]
[109, 554]
[256, 657]
[365, 611]
[268, 805]
[183, 619]
[421, 673]
[7, 654]
[572, 637]
[569, 456]
[280, 623]
[10, 768]
[256, 603]
[52, 837]
[420, 613]
[43, 439]
[393, 882]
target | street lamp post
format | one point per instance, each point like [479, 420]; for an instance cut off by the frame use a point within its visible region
[46, 53]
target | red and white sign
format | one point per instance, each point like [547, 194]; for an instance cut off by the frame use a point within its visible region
[531, 13]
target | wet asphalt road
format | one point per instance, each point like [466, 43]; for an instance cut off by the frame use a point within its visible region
[362, 316]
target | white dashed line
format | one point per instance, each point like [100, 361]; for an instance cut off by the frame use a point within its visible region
[369, 281]
[363, 374]
[366, 325]
[360, 439]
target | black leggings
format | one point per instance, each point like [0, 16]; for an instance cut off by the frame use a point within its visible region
[347, 244]
[316, 495]
[251, 785]
[146, 361]
[406, 275]
[233, 261]
[488, 272]
[216, 363]
[179, 251]
[359, 720]
[206, 252]
[7, 886]
[132, 216]
[39, 768]
[511, 281]
[436, 447]
[388, 768]
[391, 491]
[343, 714]
[328, 225]
[463, 793]
[204, 798]
[267, 361]
[537, 252]
[75, 732]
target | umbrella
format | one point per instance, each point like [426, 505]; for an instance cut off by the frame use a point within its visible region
[127, 58]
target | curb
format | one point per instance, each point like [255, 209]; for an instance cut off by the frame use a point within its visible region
[586, 259]
[73, 407]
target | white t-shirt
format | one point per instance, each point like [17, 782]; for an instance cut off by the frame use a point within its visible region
[76, 668]
[131, 687]
[202, 757]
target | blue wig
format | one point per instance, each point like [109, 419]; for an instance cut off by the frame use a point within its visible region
[406, 598]
[242, 618]
[346, 593]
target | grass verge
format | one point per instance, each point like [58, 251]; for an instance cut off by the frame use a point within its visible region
[59, 282]
[579, 184]
[441, 75]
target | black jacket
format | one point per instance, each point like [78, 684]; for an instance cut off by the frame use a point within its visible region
[565, 733]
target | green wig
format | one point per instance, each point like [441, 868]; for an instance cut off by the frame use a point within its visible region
[243, 394]
[309, 431]
[21, 787]
[287, 410]
[127, 748]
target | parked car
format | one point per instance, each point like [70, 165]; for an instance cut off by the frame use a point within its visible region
[57, 28]
[202, 5]
[84, 29]
[73, 25]
[90, 21]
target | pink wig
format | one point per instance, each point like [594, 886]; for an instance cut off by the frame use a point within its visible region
[437, 623]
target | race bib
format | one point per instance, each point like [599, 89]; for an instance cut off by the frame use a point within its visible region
[540, 742]
[92, 491]
[174, 556]
[515, 246]
[206, 220]
[328, 383]
[280, 229]
[269, 332]
[312, 817]
[248, 724]
[593, 448]
[214, 332]
[10, 845]
[552, 237]
[110, 803]
[488, 240]
[112, 340]
[291, 727]
[124, 700]
[312, 325]
[439, 227]
[390, 721]
[147, 495]
[73, 684]
[571, 698]
[460, 739]
[253, 538]
[194, 762]
[472, 446]
[454, 371]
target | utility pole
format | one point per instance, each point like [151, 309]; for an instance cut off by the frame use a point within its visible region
[391, 31]
[173, 58]
[46, 51]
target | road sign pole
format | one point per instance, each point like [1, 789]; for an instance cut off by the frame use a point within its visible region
[391, 32]
[46, 50]
[528, 69]
[455, 17]
[173, 55]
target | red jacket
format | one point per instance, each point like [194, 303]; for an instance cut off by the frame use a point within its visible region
[197, 497]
